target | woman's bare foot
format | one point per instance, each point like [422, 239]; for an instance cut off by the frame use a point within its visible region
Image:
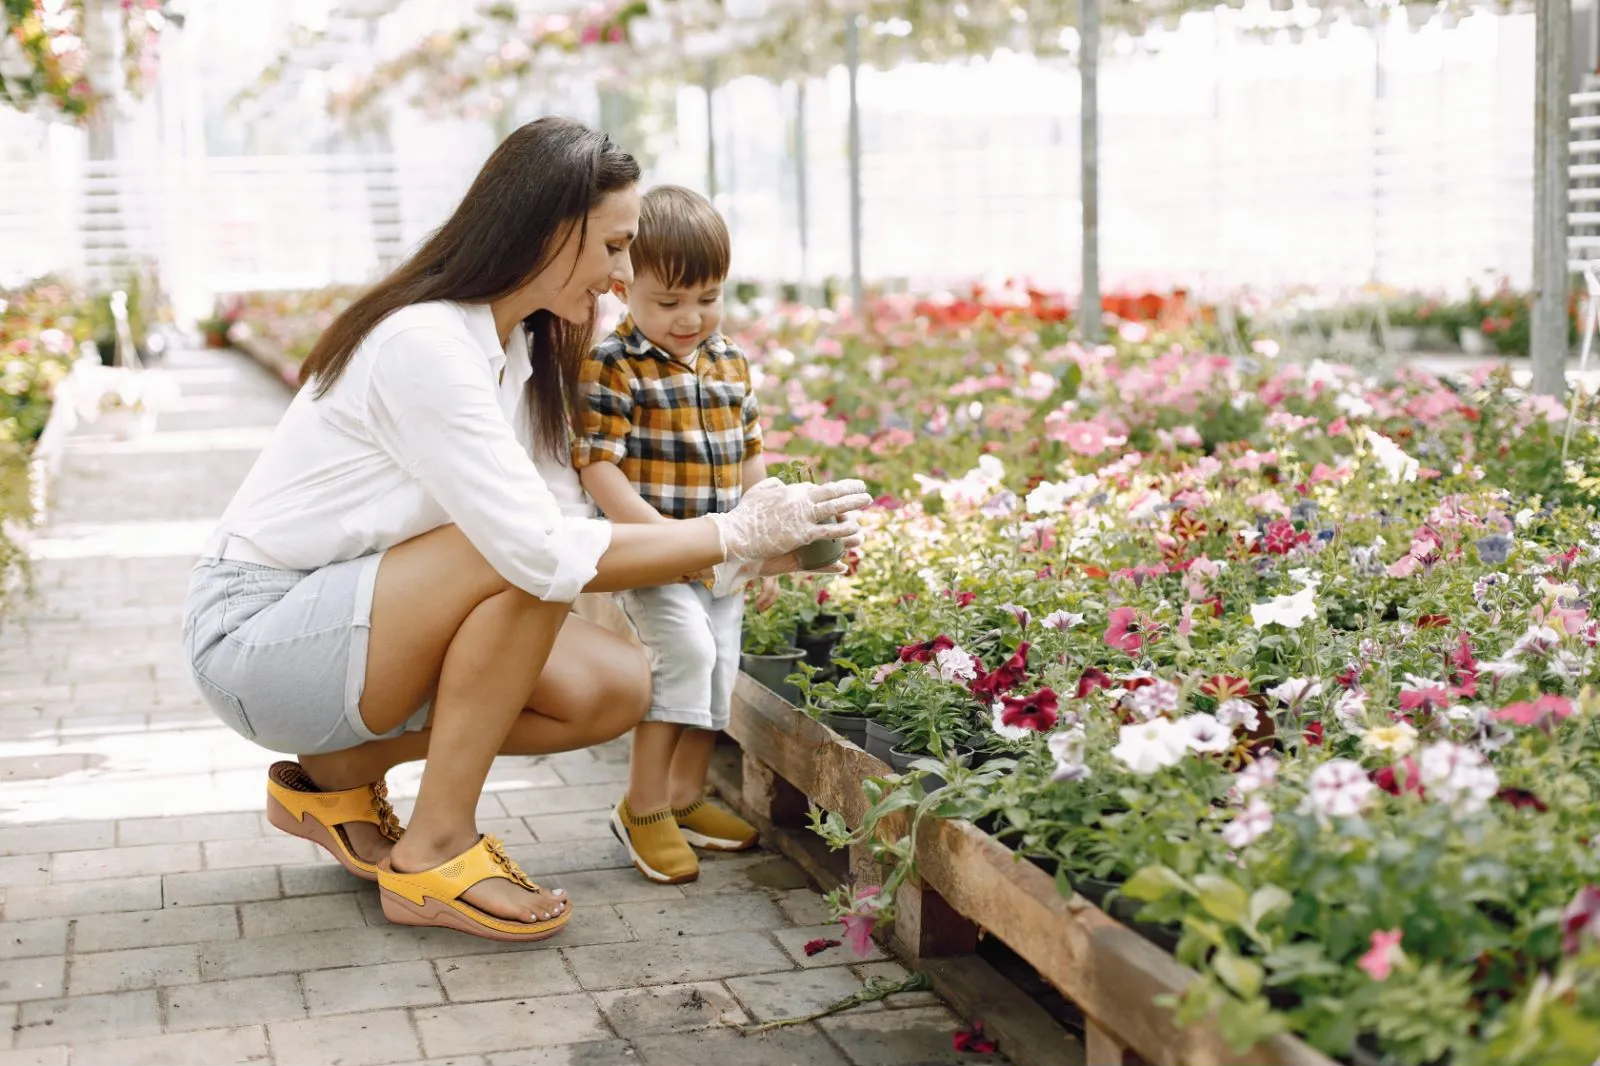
[496, 895]
[367, 841]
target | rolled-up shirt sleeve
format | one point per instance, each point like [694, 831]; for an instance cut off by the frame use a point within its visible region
[432, 404]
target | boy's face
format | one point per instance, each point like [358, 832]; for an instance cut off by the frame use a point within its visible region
[678, 319]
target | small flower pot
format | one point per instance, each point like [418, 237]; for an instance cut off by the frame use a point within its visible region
[881, 741]
[901, 759]
[1473, 342]
[772, 670]
[933, 782]
[1404, 338]
[853, 727]
[818, 647]
[819, 554]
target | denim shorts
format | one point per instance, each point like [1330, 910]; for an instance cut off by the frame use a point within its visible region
[281, 655]
[692, 640]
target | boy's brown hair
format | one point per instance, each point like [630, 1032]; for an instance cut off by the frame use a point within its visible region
[682, 239]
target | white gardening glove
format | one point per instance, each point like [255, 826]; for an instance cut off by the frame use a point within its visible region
[735, 574]
[773, 519]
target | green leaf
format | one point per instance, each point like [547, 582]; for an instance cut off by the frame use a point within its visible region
[1152, 883]
[1241, 975]
[1266, 900]
[1243, 1025]
[1223, 900]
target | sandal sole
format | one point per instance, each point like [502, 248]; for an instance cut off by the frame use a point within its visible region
[310, 829]
[434, 914]
[651, 874]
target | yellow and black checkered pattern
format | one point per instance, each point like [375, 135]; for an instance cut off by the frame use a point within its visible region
[680, 433]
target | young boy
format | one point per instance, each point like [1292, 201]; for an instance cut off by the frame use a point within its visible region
[671, 430]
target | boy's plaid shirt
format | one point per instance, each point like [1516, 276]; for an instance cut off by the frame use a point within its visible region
[679, 433]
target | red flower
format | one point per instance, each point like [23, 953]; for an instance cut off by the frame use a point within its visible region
[1521, 799]
[1581, 918]
[1396, 783]
[989, 687]
[1036, 712]
[1222, 688]
[925, 652]
[1350, 676]
[1433, 621]
[972, 1040]
[819, 945]
[1123, 631]
[822, 597]
[1281, 537]
[1185, 526]
[1313, 734]
[1539, 712]
[1091, 679]
[962, 598]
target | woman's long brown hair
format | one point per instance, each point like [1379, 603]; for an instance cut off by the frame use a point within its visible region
[540, 183]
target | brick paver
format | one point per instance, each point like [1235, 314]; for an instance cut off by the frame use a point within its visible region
[149, 915]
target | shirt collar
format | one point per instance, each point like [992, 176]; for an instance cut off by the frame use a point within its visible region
[513, 359]
[635, 343]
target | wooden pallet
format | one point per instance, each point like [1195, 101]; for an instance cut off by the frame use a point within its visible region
[967, 880]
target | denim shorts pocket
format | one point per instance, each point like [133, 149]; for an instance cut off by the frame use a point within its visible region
[226, 706]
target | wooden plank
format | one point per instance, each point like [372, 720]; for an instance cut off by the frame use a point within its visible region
[1025, 1032]
[1112, 973]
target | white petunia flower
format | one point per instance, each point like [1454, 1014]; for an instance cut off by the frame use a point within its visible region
[1286, 611]
[1068, 746]
[1019, 612]
[1152, 700]
[1296, 690]
[1339, 788]
[1048, 497]
[1010, 732]
[1146, 747]
[1238, 712]
[1062, 619]
[1457, 774]
[1259, 775]
[953, 664]
[1249, 825]
[1397, 738]
[1395, 462]
[1203, 733]
[1351, 711]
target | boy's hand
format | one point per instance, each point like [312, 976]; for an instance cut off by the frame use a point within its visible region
[768, 594]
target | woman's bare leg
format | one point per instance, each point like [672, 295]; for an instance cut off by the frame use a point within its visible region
[595, 686]
[443, 621]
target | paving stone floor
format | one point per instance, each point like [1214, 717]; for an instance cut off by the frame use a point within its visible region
[149, 915]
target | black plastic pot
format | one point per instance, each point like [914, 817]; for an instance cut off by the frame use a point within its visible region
[818, 647]
[771, 670]
[853, 727]
[881, 741]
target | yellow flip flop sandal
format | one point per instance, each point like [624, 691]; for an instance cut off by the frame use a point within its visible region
[432, 897]
[295, 806]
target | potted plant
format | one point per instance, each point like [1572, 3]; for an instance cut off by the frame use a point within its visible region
[215, 327]
[769, 652]
[840, 704]
[821, 553]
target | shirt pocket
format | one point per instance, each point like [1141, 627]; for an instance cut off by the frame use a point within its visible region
[667, 406]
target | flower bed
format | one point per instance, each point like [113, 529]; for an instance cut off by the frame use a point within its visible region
[1293, 663]
[279, 328]
[41, 326]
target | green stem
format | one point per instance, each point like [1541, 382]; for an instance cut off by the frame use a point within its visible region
[876, 989]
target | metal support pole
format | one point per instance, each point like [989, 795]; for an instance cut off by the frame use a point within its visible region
[711, 132]
[1089, 165]
[852, 59]
[1553, 55]
[802, 219]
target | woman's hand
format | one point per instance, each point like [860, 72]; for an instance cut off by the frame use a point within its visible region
[773, 519]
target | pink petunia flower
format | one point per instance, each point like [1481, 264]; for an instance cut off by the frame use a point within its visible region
[1382, 955]
[1123, 631]
[1536, 712]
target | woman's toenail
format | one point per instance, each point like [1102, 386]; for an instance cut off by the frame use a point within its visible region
[558, 892]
